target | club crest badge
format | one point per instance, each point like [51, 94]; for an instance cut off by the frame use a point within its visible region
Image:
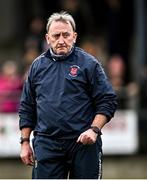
[74, 70]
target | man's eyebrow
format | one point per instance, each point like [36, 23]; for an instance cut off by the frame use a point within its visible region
[55, 34]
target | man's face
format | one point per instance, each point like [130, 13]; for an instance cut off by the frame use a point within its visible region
[61, 37]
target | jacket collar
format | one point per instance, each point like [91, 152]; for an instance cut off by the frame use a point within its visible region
[56, 57]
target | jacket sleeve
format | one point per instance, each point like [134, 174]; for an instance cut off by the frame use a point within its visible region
[103, 95]
[27, 109]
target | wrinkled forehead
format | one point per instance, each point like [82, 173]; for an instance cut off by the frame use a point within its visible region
[60, 26]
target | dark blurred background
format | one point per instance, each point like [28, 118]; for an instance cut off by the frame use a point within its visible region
[115, 32]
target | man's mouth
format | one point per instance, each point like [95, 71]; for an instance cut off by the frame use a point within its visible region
[61, 47]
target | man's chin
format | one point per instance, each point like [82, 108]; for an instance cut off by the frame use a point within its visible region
[62, 52]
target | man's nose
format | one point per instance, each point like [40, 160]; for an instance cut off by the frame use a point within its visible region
[61, 39]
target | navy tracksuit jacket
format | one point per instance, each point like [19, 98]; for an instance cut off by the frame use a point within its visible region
[60, 98]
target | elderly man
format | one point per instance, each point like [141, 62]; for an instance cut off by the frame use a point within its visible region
[66, 101]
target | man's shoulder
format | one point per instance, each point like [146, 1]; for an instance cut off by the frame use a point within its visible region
[40, 60]
[39, 63]
[85, 56]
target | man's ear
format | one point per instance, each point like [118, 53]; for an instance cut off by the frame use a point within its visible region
[75, 37]
[47, 38]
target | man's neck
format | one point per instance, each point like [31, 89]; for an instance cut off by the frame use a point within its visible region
[57, 57]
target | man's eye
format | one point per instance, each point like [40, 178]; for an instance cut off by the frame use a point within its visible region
[65, 35]
[56, 36]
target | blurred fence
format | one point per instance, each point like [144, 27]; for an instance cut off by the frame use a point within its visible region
[120, 136]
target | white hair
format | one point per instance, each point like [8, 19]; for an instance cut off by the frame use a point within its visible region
[61, 16]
